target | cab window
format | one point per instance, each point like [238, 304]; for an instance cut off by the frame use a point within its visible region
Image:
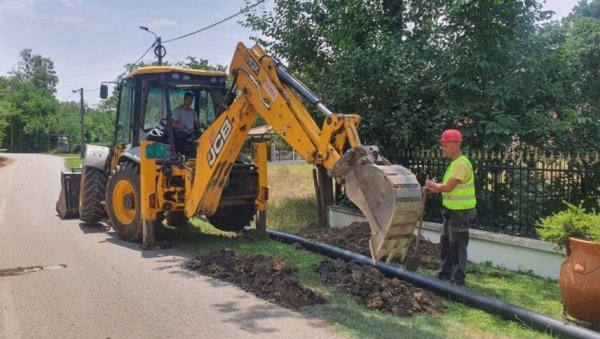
[125, 111]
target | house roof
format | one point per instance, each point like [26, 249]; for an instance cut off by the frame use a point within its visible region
[261, 130]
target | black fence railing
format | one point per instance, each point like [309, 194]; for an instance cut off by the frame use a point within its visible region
[515, 189]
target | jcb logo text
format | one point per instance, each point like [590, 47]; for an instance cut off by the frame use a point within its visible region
[220, 140]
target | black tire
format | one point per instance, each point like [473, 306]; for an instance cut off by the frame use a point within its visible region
[123, 201]
[232, 219]
[177, 219]
[93, 192]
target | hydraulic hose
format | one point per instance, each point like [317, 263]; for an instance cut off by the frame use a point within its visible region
[493, 306]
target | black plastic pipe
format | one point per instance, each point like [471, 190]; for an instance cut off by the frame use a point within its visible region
[507, 311]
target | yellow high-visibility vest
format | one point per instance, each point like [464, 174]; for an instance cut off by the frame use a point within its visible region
[463, 195]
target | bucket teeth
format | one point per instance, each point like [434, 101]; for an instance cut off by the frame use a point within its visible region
[390, 198]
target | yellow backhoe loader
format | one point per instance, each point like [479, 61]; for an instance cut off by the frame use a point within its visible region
[149, 176]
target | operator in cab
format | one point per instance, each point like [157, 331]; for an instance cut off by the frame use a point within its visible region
[185, 124]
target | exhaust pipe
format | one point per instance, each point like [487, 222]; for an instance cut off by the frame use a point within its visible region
[493, 306]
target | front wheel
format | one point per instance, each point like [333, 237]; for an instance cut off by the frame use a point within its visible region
[91, 207]
[123, 201]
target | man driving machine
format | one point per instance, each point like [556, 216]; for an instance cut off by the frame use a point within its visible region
[185, 122]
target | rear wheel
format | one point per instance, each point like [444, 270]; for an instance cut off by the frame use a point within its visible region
[91, 208]
[123, 201]
[233, 218]
[177, 219]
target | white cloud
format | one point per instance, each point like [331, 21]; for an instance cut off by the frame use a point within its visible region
[68, 19]
[17, 8]
[27, 8]
[154, 23]
[70, 3]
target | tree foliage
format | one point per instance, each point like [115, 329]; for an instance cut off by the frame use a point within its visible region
[412, 68]
[36, 71]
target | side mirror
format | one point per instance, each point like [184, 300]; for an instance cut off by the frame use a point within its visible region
[103, 91]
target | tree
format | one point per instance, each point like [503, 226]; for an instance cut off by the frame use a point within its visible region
[99, 127]
[192, 62]
[66, 123]
[29, 125]
[413, 68]
[5, 117]
[35, 70]
[29, 103]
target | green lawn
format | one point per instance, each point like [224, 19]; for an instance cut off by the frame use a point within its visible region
[72, 160]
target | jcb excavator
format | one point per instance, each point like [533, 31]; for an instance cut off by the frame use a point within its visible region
[146, 177]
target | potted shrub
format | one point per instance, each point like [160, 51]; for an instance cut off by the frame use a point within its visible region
[578, 231]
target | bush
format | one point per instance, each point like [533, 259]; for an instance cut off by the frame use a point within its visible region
[574, 222]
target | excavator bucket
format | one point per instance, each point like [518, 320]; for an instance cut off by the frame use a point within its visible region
[388, 195]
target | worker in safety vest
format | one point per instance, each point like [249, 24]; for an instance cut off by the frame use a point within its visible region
[458, 197]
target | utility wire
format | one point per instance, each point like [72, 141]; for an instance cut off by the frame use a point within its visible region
[72, 94]
[216, 23]
[138, 60]
[187, 35]
[143, 55]
[172, 56]
[90, 90]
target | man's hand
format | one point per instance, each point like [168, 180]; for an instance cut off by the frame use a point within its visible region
[176, 124]
[430, 186]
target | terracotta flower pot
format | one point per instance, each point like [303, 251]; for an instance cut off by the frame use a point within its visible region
[580, 281]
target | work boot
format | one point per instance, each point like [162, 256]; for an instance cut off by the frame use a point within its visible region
[457, 282]
[444, 276]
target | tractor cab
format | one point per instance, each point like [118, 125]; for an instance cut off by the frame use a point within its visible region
[148, 96]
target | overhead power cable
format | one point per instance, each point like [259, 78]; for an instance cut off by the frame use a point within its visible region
[72, 94]
[138, 60]
[143, 55]
[216, 23]
[174, 57]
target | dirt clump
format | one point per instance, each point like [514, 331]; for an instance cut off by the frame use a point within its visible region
[378, 292]
[355, 238]
[5, 272]
[4, 161]
[269, 278]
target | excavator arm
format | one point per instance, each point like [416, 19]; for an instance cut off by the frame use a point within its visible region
[388, 195]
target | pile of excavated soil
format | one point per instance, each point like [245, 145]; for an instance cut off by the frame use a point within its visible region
[4, 161]
[378, 292]
[267, 277]
[355, 238]
[273, 279]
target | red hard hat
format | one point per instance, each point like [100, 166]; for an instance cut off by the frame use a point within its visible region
[451, 135]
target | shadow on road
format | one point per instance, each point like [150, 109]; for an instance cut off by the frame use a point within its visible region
[94, 228]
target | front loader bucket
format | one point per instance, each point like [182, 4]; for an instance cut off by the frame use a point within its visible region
[67, 205]
[390, 198]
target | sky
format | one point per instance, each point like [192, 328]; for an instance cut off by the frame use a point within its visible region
[90, 41]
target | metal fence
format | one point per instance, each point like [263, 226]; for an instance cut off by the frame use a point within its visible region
[515, 189]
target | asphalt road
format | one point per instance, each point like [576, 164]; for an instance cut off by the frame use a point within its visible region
[94, 285]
